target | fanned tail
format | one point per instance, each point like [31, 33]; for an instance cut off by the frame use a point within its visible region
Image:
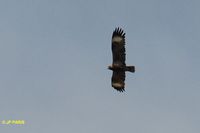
[130, 68]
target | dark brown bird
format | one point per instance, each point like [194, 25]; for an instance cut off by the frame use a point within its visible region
[119, 56]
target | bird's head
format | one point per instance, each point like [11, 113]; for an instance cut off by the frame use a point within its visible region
[110, 67]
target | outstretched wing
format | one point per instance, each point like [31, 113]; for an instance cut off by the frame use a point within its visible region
[118, 79]
[118, 47]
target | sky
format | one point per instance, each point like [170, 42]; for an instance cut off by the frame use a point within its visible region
[53, 66]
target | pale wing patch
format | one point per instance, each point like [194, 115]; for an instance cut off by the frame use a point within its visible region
[117, 39]
[117, 85]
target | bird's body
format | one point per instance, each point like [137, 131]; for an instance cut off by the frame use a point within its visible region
[116, 67]
[119, 56]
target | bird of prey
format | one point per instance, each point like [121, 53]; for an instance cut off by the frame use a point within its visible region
[119, 56]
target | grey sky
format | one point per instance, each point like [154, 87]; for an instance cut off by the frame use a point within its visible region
[53, 66]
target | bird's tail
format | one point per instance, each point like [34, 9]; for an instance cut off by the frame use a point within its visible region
[130, 68]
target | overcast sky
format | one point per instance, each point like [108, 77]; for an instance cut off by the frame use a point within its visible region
[53, 66]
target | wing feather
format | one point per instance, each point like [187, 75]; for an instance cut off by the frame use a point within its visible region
[118, 80]
[118, 47]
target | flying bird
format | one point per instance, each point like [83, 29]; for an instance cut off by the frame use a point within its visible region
[119, 56]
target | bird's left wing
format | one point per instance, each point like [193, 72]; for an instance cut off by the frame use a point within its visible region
[118, 47]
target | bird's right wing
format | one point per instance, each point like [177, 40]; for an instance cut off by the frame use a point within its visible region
[118, 80]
